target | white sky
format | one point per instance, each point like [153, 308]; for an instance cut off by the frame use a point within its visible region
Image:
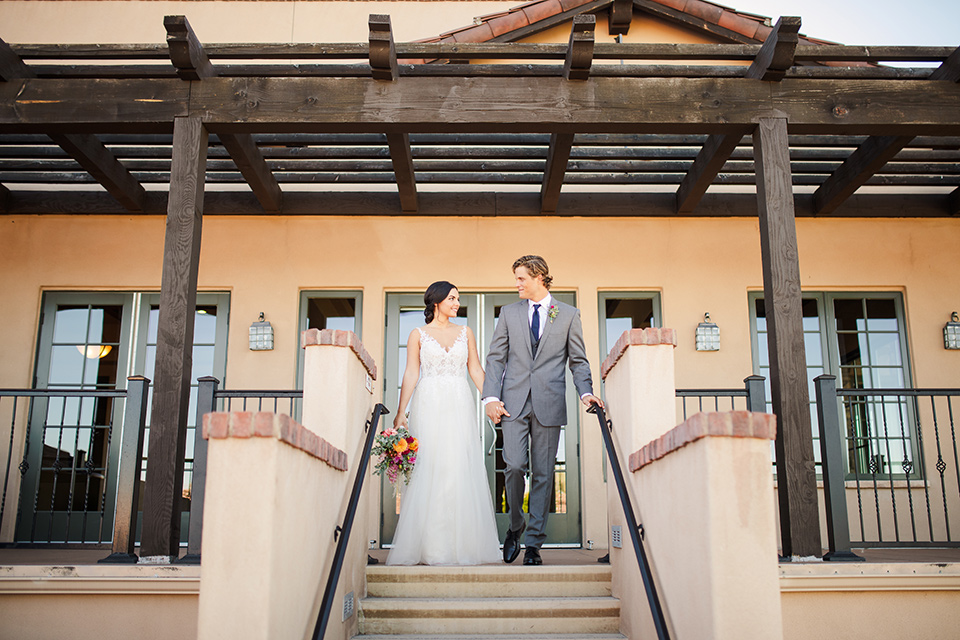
[873, 22]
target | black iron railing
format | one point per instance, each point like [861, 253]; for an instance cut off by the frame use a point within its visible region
[636, 537]
[751, 398]
[77, 487]
[896, 450]
[342, 533]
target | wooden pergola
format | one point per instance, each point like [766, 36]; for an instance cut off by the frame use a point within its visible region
[628, 129]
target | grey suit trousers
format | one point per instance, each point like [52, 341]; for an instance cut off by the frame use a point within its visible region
[524, 436]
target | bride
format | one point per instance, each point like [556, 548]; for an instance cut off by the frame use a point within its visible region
[446, 514]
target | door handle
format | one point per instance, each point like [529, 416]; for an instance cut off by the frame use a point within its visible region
[493, 432]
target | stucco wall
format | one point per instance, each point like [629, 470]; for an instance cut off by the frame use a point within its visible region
[695, 264]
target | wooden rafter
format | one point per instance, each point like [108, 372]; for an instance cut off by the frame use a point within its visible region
[576, 66]
[773, 60]
[86, 149]
[621, 15]
[953, 202]
[873, 154]
[192, 64]
[4, 198]
[383, 65]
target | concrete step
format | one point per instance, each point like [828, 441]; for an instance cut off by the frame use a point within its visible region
[488, 581]
[514, 636]
[433, 616]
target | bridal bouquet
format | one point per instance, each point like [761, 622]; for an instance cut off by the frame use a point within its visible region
[396, 452]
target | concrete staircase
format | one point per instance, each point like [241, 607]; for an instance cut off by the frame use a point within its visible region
[490, 602]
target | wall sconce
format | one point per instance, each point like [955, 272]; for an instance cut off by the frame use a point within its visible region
[261, 335]
[951, 333]
[708, 335]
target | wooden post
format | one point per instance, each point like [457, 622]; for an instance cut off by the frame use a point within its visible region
[796, 477]
[178, 300]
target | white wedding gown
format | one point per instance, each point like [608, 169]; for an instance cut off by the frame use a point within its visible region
[446, 512]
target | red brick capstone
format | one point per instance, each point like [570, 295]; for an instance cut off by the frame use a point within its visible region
[338, 338]
[651, 336]
[729, 424]
[263, 424]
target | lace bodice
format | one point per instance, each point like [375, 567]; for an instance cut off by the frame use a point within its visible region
[437, 361]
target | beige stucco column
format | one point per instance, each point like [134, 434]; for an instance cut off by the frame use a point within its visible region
[276, 490]
[701, 491]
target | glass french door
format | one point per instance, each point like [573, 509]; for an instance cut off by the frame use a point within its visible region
[71, 458]
[87, 342]
[480, 312]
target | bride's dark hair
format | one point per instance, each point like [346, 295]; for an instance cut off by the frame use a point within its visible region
[435, 293]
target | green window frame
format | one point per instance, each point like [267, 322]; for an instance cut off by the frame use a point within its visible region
[859, 337]
[313, 305]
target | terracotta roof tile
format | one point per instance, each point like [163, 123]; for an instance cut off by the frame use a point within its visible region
[705, 10]
[537, 11]
[740, 23]
[509, 22]
[480, 33]
[485, 28]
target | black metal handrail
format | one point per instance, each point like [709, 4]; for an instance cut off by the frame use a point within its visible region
[342, 533]
[653, 600]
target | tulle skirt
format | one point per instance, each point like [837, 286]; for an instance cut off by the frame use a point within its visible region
[446, 512]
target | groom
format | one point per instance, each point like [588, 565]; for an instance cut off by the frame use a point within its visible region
[524, 388]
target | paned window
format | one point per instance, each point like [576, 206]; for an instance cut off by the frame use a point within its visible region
[860, 339]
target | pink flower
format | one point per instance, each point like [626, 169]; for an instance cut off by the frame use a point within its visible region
[390, 432]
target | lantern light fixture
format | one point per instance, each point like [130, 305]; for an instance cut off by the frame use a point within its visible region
[951, 333]
[261, 335]
[708, 335]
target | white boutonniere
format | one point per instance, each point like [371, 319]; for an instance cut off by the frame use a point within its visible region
[553, 313]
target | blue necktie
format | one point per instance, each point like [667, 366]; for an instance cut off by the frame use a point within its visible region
[535, 325]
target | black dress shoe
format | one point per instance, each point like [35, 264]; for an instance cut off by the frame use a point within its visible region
[531, 555]
[511, 545]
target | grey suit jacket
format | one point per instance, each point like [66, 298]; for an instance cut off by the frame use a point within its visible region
[512, 371]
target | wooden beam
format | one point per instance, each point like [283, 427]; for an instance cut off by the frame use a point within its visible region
[100, 163]
[772, 62]
[621, 15]
[401, 155]
[383, 66]
[186, 52]
[178, 299]
[87, 150]
[953, 202]
[246, 155]
[576, 65]
[383, 50]
[874, 153]
[796, 477]
[776, 55]
[481, 105]
[557, 157]
[188, 56]
[12, 67]
[490, 105]
[4, 199]
[471, 204]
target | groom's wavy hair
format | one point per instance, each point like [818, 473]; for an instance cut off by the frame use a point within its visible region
[536, 266]
[435, 294]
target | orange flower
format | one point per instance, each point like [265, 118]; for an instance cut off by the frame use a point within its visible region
[401, 446]
[413, 443]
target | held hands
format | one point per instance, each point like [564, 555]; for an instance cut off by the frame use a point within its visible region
[590, 399]
[495, 410]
